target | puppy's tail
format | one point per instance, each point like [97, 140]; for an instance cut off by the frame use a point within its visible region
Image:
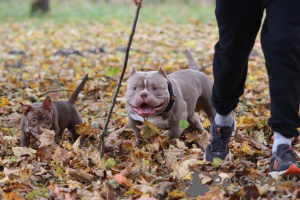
[192, 63]
[78, 89]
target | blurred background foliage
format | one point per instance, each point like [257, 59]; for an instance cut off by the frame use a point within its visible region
[64, 11]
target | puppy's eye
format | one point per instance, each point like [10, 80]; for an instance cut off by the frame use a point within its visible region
[134, 88]
[47, 119]
[155, 88]
[34, 120]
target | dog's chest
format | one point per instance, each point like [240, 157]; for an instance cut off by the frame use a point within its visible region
[157, 120]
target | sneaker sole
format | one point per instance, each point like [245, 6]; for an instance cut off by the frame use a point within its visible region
[211, 162]
[291, 172]
[234, 128]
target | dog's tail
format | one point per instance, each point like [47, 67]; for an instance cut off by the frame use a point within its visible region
[192, 63]
[78, 89]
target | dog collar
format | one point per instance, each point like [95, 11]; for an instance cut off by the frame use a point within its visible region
[172, 98]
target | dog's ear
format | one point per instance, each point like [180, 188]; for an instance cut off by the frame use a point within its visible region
[162, 72]
[133, 71]
[47, 103]
[27, 108]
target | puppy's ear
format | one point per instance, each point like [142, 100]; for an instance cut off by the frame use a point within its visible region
[133, 71]
[27, 108]
[47, 103]
[162, 72]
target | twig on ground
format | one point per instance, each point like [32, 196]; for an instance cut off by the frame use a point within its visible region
[203, 67]
[61, 66]
[103, 134]
[56, 91]
[146, 58]
[21, 63]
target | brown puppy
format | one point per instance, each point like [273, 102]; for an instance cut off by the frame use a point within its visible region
[55, 115]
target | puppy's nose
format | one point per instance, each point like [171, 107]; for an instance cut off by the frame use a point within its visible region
[144, 95]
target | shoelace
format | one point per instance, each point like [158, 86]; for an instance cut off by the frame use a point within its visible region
[219, 142]
[288, 154]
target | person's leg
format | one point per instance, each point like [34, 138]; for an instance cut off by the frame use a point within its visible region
[280, 40]
[238, 23]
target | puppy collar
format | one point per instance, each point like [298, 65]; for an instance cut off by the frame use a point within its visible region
[172, 98]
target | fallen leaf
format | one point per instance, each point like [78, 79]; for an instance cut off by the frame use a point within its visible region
[47, 138]
[20, 151]
[122, 180]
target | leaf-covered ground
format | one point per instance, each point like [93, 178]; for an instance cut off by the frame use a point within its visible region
[33, 65]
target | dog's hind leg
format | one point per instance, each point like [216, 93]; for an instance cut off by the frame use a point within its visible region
[72, 129]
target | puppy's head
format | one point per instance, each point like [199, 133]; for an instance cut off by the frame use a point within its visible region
[147, 92]
[37, 117]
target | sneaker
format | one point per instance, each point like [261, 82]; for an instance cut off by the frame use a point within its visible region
[284, 162]
[219, 142]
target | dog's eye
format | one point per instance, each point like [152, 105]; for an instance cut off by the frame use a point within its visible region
[155, 88]
[134, 88]
[34, 120]
[47, 119]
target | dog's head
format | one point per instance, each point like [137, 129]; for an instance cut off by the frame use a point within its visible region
[37, 117]
[147, 92]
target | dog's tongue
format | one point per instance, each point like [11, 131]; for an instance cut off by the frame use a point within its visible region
[145, 111]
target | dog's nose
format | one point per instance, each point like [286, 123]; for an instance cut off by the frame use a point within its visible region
[144, 95]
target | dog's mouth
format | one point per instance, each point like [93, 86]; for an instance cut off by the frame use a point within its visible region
[36, 135]
[145, 110]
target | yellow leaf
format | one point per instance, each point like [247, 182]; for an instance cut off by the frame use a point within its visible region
[151, 125]
[4, 102]
[84, 128]
[176, 194]
[131, 192]
[246, 149]
[45, 66]
[206, 123]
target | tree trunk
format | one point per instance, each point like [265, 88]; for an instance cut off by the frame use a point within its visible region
[42, 5]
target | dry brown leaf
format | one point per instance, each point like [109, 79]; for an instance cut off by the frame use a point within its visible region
[145, 189]
[204, 138]
[180, 144]
[163, 189]
[130, 142]
[11, 140]
[214, 194]
[47, 138]
[59, 155]
[12, 196]
[128, 170]
[20, 151]
[183, 170]
[122, 180]
[4, 181]
[80, 173]
[193, 137]
[112, 137]
[258, 145]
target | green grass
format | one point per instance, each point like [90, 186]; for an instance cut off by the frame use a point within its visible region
[174, 11]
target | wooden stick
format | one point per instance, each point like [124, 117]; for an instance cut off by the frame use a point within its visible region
[103, 133]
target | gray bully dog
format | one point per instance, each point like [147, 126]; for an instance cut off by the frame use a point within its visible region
[164, 99]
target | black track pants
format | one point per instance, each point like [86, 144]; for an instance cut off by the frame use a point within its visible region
[239, 22]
